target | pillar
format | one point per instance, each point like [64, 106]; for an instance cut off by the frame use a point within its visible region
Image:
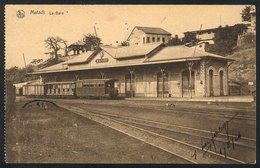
[203, 77]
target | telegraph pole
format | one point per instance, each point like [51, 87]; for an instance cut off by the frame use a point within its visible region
[24, 60]
[95, 31]
[191, 63]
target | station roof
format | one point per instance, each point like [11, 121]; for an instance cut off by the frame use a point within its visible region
[131, 51]
[82, 57]
[181, 52]
[131, 56]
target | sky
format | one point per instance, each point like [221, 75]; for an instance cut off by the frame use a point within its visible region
[113, 23]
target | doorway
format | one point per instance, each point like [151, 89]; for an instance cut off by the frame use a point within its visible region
[129, 85]
[162, 84]
[186, 90]
[211, 88]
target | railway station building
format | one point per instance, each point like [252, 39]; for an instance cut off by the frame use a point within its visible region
[147, 70]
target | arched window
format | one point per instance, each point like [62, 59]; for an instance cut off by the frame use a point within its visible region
[211, 82]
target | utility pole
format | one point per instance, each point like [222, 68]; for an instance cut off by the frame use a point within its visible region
[220, 20]
[191, 63]
[24, 60]
[95, 31]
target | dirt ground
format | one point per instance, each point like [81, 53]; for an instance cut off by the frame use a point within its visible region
[49, 134]
[204, 116]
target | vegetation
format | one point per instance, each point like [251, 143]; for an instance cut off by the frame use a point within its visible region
[55, 44]
[226, 39]
[189, 37]
[92, 40]
[243, 69]
[17, 75]
[245, 14]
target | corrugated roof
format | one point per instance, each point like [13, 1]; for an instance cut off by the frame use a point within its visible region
[181, 52]
[82, 57]
[164, 55]
[153, 30]
[131, 51]
[53, 67]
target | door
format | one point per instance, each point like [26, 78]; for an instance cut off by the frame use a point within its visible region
[129, 85]
[188, 91]
[211, 90]
[221, 84]
[162, 84]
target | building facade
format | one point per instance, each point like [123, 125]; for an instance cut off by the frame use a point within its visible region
[148, 70]
[143, 35]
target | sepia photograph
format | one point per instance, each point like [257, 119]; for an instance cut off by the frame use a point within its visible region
[131, 84]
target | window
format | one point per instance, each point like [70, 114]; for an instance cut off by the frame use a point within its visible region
[158, 39]
[163, 39]
[143, 40]
[153, 39]
[148, 40]
[80, 85]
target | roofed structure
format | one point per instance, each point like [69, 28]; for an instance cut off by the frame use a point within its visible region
[153, 30]
[143, 35]
[130, 56]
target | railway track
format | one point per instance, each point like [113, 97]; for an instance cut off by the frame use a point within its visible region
[220, 114]
[247, 142]
[145, 130]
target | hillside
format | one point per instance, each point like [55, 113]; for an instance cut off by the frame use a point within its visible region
[243, 69]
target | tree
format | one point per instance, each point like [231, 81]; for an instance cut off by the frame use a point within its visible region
[189, 37]
[36, 61]
[92, 40]
[245, 14]
[54, 44]
[226, 39]
[65, 47]
[17, 75]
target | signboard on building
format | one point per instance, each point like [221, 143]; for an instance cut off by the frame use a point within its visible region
[101, 60]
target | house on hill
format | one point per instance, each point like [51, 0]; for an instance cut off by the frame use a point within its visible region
[143, 35]
[147, 70]
[252, 27]
[78, 47]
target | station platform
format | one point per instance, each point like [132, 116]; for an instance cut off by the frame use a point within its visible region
[244, 99]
